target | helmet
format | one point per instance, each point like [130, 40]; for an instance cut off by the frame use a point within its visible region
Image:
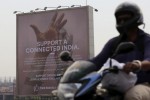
[136, 19]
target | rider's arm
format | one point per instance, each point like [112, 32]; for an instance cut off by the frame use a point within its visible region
[144, 64]
[106, 52]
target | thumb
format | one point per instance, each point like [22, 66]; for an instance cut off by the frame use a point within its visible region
[35, 28]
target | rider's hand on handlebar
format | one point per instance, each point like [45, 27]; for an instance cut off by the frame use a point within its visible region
[131, 67]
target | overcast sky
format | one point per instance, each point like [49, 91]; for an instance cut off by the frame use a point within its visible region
[104, 24]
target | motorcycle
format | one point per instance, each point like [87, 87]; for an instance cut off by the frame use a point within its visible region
[82, 82]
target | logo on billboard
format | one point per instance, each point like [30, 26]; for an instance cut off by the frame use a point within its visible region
[36, 88]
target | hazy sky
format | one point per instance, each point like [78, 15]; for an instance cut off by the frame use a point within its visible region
[104, 24]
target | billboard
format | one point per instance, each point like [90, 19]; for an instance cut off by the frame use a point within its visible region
[41, 36]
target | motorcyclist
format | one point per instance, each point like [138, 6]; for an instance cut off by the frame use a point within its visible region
[128, 17]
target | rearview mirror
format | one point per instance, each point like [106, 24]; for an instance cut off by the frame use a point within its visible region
[65, 56]
[124, 47]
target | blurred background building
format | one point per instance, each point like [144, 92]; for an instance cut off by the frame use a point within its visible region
[7, 88]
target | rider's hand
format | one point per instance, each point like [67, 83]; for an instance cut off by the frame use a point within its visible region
[131, 67]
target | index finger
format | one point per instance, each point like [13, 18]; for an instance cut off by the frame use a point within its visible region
[54, 18]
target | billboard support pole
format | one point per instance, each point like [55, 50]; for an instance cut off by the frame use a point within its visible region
[86, 2]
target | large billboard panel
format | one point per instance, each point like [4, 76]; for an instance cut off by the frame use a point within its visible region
[41, 36]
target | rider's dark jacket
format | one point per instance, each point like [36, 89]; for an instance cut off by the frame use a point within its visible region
[141, 52]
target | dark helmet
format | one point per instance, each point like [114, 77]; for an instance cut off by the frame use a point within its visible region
[129, 8]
